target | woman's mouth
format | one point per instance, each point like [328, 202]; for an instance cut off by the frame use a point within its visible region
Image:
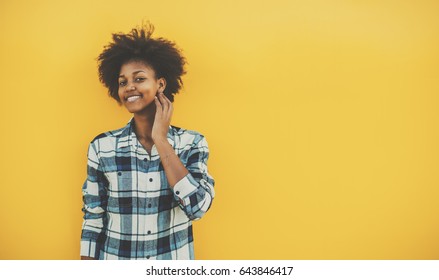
[133, 98]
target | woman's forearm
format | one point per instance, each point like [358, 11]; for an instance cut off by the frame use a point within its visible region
[174, 168]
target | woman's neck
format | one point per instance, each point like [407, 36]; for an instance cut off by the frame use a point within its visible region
[143, 126]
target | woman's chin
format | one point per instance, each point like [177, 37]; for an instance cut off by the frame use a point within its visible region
[140, 109]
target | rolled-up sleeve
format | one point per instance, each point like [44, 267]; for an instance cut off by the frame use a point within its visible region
[94, 194]
[195, 191]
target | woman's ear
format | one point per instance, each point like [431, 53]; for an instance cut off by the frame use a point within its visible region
[162, 84]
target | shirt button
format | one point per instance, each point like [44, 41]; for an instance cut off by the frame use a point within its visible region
[177, 192]
[150, 179]
[145, 159]
[149, 232]
[149, 205]
[119, 173]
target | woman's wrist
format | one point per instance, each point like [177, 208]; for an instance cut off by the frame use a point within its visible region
[161, 141]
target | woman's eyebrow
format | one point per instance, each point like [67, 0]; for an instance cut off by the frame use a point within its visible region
[135, 72]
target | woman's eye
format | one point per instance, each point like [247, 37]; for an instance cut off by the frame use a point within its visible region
[122, 83]
[140, 79]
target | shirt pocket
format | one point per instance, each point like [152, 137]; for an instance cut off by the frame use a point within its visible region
[125, 180]
[120, 181]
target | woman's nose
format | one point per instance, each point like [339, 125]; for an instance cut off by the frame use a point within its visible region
[130, 87]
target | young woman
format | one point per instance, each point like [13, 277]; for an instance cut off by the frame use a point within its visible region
[146, 182]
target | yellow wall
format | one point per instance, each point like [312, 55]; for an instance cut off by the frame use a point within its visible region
[321, 116]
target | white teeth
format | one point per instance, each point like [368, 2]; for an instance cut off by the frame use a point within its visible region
[133, 98]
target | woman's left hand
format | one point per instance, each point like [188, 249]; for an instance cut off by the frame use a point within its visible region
[163, 117]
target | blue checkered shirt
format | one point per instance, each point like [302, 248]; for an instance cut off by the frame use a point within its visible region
[130, 210]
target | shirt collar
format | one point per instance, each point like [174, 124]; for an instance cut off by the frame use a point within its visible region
[128, 131]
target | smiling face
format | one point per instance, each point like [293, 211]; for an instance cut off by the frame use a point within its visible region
[138, 85]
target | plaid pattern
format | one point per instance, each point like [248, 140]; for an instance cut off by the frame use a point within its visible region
[130, 211]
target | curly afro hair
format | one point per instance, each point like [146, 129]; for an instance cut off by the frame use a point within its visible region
[160, 54]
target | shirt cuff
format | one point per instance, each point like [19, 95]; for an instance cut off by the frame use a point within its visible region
[88, 248]
[185, 187]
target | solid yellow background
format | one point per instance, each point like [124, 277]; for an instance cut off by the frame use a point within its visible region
[321, 117]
